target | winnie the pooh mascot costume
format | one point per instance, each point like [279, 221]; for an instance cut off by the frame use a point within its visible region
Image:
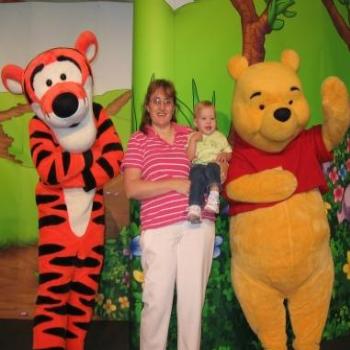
[279, 231]
[75, 150]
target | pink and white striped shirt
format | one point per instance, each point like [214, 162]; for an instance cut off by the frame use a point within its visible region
[160, 160]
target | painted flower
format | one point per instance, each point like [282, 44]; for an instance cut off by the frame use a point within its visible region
[126, 278]
[124, 302]
[135, 246]
[217, 244]
[338, 193]
[99, 298]
[343, 172]
[138, 276]
[346, 267]
[126, 252]
[333, 175]
[109, 306]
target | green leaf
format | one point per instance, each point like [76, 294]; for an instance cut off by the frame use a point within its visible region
[277, 24]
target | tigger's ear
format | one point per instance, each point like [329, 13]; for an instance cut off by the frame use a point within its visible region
[87, 45]
[12, 78]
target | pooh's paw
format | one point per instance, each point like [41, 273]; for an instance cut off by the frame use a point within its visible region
[335, 99]
[280, 183]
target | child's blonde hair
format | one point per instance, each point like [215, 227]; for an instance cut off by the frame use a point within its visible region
[203, 104]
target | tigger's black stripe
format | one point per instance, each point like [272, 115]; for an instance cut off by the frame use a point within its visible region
[82, 325]
[94, 277]
[89, 180]
[103, 163]
[100, 220]
[88, 158]
[60, 289]
[89, 303]
[45, 249]
[46, 198]
[82, 288]
[51, 348]
[63, 261]
[60, 310]
[103, 127]
[65, 161]
[61, 58]
[60, 207]
[97, 110]
[50, 220]
[96, 205]
[52, 178]
[41, 155]
[40, 319]
[41, 135]
[58, 331]
[87, 262]
[70, 335]
[99, 191]
[99, 249]
[74, 311]
[35, 147]
[49, 276]
[113, 146]
[35, 71]
[41, 300]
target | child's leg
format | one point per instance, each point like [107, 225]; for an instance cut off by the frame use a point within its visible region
[212, 172]
[196, 198]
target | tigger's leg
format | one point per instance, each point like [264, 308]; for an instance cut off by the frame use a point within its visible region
[84, 287]
[56, 259]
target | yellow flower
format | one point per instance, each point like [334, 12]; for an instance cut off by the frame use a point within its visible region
[109, 306]
[124, 302]
[346, 267]
[138, 275]
[99, 298]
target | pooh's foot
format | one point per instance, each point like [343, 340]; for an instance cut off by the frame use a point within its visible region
[194, 214]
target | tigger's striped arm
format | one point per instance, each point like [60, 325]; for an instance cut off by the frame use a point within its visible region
[54, 165]
[107, 165]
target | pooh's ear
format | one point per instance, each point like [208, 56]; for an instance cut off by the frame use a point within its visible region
[237, 65]
[291, 59]
[87, 45]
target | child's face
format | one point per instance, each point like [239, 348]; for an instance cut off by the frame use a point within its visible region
[205, 120]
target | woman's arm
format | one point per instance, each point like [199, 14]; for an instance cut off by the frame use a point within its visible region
[137, 188]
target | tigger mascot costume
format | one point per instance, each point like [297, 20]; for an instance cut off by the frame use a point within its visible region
[75, 150]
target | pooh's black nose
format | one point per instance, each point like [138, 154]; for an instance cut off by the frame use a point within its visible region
[282, 114]
[65, 105]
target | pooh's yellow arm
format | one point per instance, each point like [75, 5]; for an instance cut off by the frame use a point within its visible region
[336, 110]
[267, 186]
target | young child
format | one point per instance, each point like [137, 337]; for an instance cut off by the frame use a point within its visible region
[206, 147]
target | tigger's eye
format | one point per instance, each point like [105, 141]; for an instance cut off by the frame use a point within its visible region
[48, 82]
[63, 76]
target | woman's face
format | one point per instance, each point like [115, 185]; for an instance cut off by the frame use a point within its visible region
[160, 108]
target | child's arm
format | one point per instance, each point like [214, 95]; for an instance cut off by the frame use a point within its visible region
[224, 157]
[192, 144]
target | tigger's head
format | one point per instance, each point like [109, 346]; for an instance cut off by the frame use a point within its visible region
[57, 83]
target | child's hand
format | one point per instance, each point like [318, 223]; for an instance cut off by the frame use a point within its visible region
[196, 136]
[222, 157]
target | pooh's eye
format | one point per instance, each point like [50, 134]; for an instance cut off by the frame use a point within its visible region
[262, 107]
[63, 76]
[48, 82]
[290, 102]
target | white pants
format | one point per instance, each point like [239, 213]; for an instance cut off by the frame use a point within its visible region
[178, 254]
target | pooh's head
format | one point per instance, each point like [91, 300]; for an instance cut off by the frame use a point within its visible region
[269, 108]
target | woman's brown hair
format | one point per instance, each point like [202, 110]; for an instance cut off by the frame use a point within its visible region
[169, 90]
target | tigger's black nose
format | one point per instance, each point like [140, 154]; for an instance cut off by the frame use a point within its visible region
[65, 105]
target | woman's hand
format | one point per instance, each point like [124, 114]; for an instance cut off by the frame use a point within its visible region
[181, 185]
[223, 164]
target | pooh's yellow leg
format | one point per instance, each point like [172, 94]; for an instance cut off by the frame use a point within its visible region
[263, 308]
[309, 306]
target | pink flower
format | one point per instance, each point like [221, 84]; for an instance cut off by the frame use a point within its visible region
[348, 145]
[338, 193]
[333, 175]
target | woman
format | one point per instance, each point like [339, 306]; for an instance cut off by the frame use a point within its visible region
[174, 251]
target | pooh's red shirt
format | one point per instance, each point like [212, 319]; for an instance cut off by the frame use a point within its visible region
[303, 157]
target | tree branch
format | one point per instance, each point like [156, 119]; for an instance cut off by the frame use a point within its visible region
[118, 103]
[338, 21]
